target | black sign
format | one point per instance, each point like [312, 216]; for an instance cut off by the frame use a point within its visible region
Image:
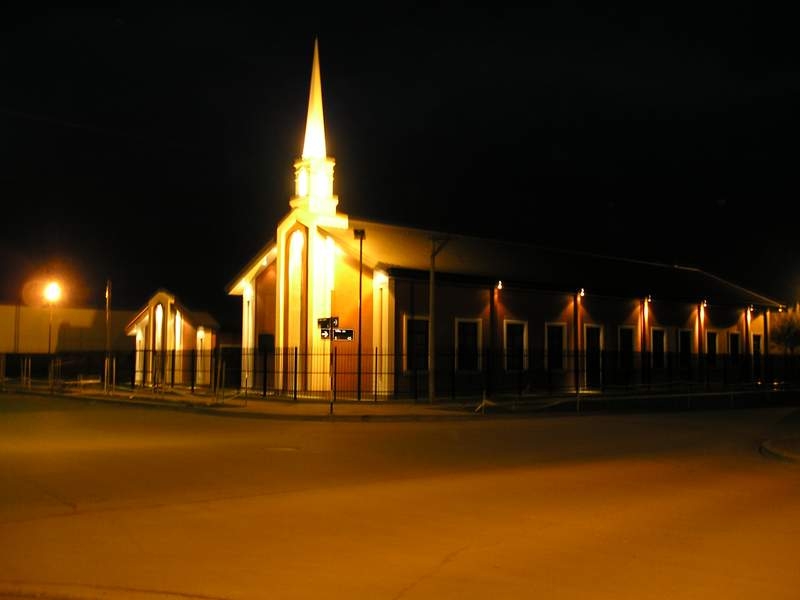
[343, 334]
[328, 322]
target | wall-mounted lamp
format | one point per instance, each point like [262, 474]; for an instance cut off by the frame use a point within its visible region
[582, 292]
[649, 298]
[705, 303]
[499, 285]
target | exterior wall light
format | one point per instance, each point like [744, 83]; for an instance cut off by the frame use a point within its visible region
[499, 285]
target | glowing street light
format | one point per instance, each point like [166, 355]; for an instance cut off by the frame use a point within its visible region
[107, 375]
[52, 294]
[201, 335]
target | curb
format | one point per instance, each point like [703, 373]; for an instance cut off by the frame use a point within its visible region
[243, 412]
[774, 449]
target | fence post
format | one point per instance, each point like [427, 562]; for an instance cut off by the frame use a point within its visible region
[194, 367]
[333, 381]
[264, 375]
[222, 386]
[453, 378]
[172, 369]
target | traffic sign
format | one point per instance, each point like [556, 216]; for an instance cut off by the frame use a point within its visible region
[328, 322]
[343, 334]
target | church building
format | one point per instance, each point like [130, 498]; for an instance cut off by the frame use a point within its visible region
[372, 310]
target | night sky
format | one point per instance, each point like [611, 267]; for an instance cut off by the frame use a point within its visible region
[156, 148]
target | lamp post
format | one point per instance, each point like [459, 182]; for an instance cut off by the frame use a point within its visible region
[437, 244]
[201, 334]
[359, 234]
[108, 337]
[52, 294]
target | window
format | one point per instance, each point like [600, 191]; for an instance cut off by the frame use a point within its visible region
[657, 344]
[468, 345]
[554, 345]
[685, 347]
[711, 348]
[733, 346]
[626, 348]
[756, 355]
[756, 345]
[515, 345]
[416, 344]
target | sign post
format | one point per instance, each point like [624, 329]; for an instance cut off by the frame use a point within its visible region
[327, 327]
[329, 330]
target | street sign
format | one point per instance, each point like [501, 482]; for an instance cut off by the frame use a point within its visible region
[328, 323]
[338, 334]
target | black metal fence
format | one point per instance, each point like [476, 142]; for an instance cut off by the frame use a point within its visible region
[290, 374]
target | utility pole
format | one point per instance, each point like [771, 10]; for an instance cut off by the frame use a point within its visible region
[437, 244]
[359, 235]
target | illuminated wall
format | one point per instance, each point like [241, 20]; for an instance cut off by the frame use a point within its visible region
[163, 334]
[24, 329]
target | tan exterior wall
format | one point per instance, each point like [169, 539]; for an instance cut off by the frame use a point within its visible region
[25, 329]
[265, 290]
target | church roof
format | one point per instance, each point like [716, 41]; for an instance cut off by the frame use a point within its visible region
[406, 251]
[197, 318]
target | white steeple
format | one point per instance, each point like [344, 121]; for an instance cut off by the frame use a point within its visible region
[313, 172]
[314, 145]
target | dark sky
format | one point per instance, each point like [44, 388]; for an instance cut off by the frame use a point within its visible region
[156, 148]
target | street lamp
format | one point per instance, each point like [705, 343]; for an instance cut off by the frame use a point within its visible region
[107, 376]
[201, 334]
[359, 234]
[52, 294]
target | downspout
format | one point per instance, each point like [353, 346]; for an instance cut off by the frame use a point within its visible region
[575, 344]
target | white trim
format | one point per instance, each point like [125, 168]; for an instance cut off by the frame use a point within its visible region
[663, 348]
[586, 327]
[716, 341]
[738, 343]
[506, 323]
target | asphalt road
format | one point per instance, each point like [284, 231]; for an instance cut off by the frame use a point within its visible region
[113, 501]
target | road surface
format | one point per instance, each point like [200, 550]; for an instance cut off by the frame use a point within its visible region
[118, 502]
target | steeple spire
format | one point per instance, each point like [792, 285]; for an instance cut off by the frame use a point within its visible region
[314, 144]
[313, 171]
